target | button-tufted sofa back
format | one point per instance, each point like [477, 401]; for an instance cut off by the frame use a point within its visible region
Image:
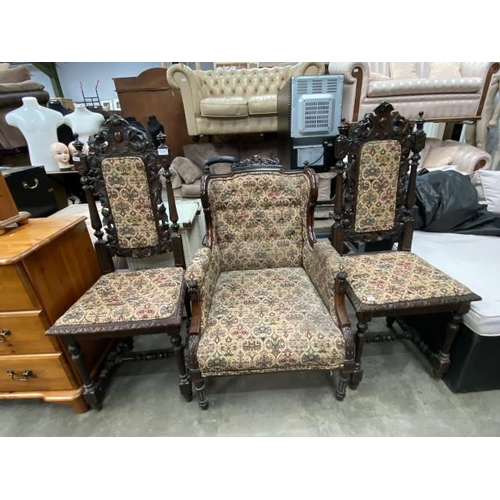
[243, 82]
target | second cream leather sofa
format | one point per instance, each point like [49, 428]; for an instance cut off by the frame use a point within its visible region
[234, 101]
[444, 91]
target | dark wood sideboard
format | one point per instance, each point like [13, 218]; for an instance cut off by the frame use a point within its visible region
[150, 94]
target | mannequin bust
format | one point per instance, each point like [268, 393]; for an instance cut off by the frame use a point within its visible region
[61, 154]
[39, 127]
[84, 122]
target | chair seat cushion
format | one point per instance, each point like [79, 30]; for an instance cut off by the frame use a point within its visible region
[403, 278]
[268, 320]
[224, 107]
[127, 300]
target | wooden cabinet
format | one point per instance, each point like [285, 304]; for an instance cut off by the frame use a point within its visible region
[150, 94]
[45, 266]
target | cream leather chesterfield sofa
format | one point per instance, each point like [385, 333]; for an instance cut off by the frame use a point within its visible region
[444, 91]
[234, 101]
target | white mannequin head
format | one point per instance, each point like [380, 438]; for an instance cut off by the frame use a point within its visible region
[61, 153]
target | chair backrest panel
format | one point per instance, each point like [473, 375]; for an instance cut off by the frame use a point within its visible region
[378, 186]
[123, 168]
[378, 158]
[130, 202]
[258, 219]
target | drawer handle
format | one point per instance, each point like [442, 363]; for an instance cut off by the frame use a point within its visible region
[26, 375]
[3, 335]
[27, 186]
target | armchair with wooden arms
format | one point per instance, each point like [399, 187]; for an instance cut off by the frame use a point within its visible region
[377, 160]
[122, 168]
[265, 296]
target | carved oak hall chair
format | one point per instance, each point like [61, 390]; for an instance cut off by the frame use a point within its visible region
[265, 297]
[122, 169]
[378, 158]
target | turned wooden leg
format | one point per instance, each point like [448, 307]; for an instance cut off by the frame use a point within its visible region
[443, 356]
[184, 382]
[195, 372]
[342, 385]
[357, 375]
[199, 385]
[91, 392]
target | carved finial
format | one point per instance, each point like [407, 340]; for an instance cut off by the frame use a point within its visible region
[343, 127]
[78, 144]
[420, 121]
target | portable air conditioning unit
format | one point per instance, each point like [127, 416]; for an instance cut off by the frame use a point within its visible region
[309, 114]
[316, 104]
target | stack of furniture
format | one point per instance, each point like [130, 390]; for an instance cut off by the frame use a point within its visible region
[16, 83]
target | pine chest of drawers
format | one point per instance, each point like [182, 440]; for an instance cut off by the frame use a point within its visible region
[45, 266]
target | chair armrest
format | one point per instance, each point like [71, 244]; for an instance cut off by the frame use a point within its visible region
[308, 69]
[356, 81]
[323, 264]
[469, 158]
[218, 159]
[201, 278]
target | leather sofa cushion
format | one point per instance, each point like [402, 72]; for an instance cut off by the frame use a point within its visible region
[404, 70]
[263, 104]
[445, 70]
[191, 190]
[188, 171]
[412, 86]
[20, 86]
[224, 107]
[15, 75]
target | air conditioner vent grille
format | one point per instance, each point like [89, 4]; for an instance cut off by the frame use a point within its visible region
[316, 116]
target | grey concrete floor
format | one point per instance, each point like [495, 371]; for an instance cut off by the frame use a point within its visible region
[397, 397]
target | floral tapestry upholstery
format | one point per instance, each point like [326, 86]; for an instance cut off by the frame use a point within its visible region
[259, 219]
[377, 186]
[410, 277]
[205, 270]
[268, 320]
[126, 297]
[130, 202]
[322, 263]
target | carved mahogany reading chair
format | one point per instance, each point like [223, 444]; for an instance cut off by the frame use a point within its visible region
[378, 158]
[265, 297]
[122, 169]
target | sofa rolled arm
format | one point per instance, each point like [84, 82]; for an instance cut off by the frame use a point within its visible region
[477, 69]
[469, 158]
[307, 69]
[180, 76]
[356, 81]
